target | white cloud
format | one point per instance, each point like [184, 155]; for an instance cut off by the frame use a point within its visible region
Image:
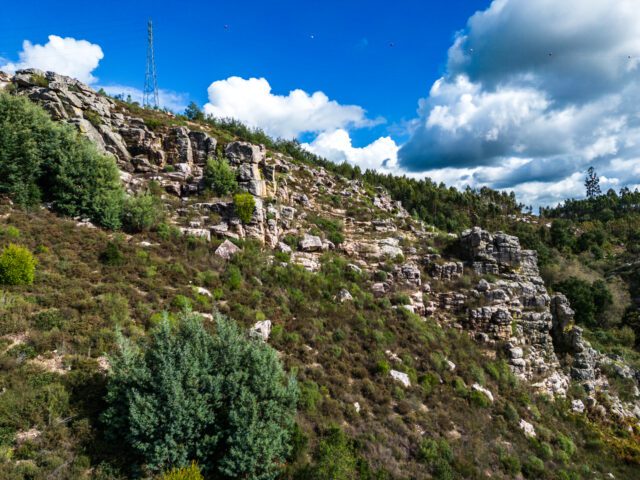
[66, 56]
[252, 102]
[550, 84]
[174, 101]
[382, 154]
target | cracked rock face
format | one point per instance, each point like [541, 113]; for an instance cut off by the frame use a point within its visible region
[542, 343]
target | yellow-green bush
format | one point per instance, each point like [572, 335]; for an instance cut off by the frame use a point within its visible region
[17, 265]
[244, 204]
[192, 472]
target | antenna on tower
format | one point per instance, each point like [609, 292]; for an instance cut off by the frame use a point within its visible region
[150, 96]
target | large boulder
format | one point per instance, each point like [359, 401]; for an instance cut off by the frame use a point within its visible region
[244, 152]
[310, 243]
[227, 250]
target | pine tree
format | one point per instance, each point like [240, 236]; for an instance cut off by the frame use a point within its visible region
[193, 112]
[592, 183]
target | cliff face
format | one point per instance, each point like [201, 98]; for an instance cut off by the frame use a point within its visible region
[490, 288]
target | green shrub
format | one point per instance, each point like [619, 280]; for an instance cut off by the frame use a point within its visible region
[335, 458]
[428, 382]
[223, 401]
[39, 80]
[192, 472]
[233, 277]
[438, 457]
[510, 464]
[181, 302]
[333, 229]
[545, 451]
[44, 160]
[479, 399]
[112, 254]
[94, 117]
[566, 444]
[17, 266]
[310, 396]
[220, 177]
[244, 204]
[11, 232]
[533, 467]
[142, 213]
[383, 367]
[166, 231]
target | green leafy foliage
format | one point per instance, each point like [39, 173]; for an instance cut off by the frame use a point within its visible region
[335, 458]
[589, 300]
[143, 213]
[245, 205]
[438, 457]
[112, 254]
[17, 265]
[39, 80]
[43, 160]
[193, 112]
[222, 400]
[220, 177]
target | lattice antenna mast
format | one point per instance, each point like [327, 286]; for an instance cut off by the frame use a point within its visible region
[150, 97]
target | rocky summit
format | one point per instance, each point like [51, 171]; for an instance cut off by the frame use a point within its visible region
[476, 286]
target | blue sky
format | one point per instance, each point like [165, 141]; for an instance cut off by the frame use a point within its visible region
[521, 95]
[339, 47]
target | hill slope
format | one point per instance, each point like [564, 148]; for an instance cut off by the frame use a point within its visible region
[438, 355]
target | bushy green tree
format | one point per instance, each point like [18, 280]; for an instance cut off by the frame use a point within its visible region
[220, 177]
[85, 183]
[222, 400]
[26, 139]
[193, 112]
[589, 300]
[142, 213]
[17, 265]
[244, 204]
[592, 183]
[44, 160]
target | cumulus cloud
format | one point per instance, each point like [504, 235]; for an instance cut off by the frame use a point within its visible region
[252, 102]
[67, 56]
[382, 154]
[174, 101]
[537, 90]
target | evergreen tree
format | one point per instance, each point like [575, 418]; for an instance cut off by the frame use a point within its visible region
[592, 183]
[223, 401]
[193, 112]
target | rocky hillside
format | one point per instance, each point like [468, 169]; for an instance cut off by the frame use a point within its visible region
[394, 325]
